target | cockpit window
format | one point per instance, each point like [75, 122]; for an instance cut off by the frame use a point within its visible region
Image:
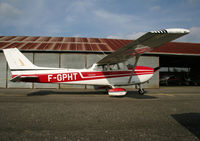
[99, 68]
[105, 67]
[111, 67]
[114, 67]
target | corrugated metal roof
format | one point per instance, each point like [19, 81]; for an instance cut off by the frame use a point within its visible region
[77, 44]
[179, 48]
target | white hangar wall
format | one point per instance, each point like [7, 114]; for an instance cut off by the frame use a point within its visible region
[68, 60]
[151, 61]
[76, 61]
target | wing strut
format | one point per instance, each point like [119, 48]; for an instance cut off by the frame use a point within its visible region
[134, 66]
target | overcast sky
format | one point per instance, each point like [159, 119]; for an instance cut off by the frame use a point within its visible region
[98, 18]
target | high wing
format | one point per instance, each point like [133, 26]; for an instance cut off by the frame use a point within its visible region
[145, 43]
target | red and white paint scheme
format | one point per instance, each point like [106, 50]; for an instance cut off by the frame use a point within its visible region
[111, 71]
[117, 92]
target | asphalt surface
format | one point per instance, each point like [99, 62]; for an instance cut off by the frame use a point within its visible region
[39, 114]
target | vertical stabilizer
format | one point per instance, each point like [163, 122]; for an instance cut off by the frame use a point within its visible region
[16, 60]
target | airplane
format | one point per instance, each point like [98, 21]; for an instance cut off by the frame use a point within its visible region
[110, 72]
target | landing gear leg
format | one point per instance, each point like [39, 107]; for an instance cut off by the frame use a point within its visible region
[140, 90]
[109, 87]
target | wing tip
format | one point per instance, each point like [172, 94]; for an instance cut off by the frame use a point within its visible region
[172, 30]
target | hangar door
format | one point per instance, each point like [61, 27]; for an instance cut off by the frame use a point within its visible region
[179, 70]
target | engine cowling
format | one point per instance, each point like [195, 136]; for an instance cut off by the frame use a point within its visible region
[117, 92]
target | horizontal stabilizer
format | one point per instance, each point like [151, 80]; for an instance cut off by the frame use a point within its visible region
[16, 78]
[20, 78]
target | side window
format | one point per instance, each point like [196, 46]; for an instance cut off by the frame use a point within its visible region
[105, 68]
[122, 66]
[100, 68]
[114, 67]
[119, 66]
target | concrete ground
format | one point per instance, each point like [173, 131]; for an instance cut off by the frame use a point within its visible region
[168, 113]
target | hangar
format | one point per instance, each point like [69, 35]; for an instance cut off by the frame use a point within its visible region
[76, 52]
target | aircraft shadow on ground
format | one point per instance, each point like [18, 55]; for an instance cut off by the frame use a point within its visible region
[130, 94]
[190, 121]
[49, 92]
[134, 94]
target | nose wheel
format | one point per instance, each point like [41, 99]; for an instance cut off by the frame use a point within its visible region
[140, 90]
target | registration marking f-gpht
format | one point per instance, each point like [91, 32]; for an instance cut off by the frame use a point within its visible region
[63, 77]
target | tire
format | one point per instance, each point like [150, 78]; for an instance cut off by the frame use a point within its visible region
[141, 91]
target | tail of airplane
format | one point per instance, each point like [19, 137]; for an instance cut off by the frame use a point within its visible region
[19, 64]
[17, 61]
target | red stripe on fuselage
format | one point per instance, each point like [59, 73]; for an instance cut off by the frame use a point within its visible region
[82, 76]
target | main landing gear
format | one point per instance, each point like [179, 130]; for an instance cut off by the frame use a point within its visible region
[122, 92]
[117, 92]
[140, 90]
